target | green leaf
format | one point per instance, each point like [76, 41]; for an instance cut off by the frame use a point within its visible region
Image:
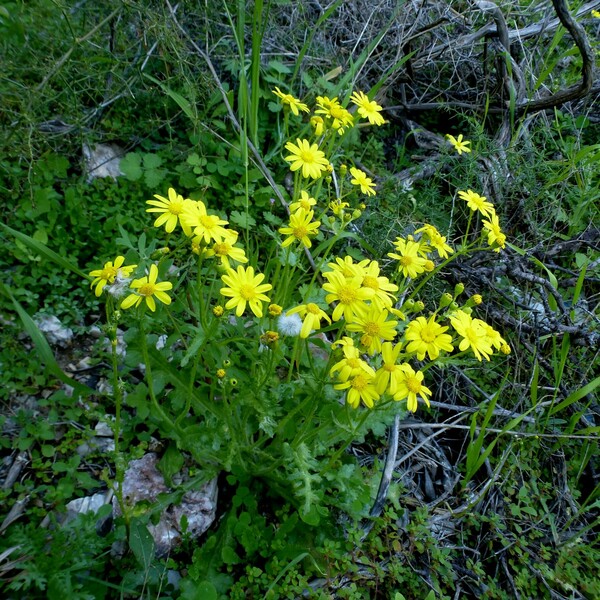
[152, 161]
[154, 177]
[186, 106]
[44, 351]
[171, 462]
[243, 220]
[131, 166]
[42, 249]
[141, 543]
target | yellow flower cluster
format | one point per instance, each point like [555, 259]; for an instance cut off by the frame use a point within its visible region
[377, 361]
[495, 237]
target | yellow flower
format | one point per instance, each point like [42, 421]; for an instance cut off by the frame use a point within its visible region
[301, 226]
[596, 14]
[473, 333]
[427, 337]
[374, 327]
[339, 118]
[244, 287]
[225, 250]
[110, 272]
[318, 125]
[146, 288]
[477, 203]
[274, 310]
[170, 210]
[268, 338]
[494, 337]
[360, 178]
[207, 227]
[348, 293]
[410, 386]
[311, 315]
[351, 365]
[459, 145]
[305, 201]
[337, 207]
[221, 373]
[410, 264]
[496, 238]
[368, 109]
[388, 375]
[360, 387]
[436, 240]
[384, 296]
[308, 157]
[289, 100]
[347, 267]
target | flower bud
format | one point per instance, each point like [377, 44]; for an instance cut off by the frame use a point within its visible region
[459, 288]
[419, 306]
[226, 363]
[343, 170]
[275, 310]
[476, 299]
[445, 300]
[233, 382]
[454, 306]
[409, 305]
[429, 265]
[347, 217]
[362, 206]
[218, 311]
[356, 214]
[221, 373]
[505, 349]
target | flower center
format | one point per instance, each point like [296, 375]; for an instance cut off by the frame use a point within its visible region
[313, 309]
[413, 385]
[360, 382]
[222, 249]
[247, 292]
[176, 208]
[300, 232]
[337, 112]
[427, 335]
[371, 282]
[147, 289]
[108, 273]
[207, 221]
[472, 335]
[391, 367]
[354, 363]
[372, 328]
[347, 295]
[307, 156]
[406, 261]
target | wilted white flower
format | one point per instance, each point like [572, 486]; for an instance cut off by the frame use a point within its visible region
[289, 324]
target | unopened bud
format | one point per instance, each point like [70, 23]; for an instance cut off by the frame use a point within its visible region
[505, 349]
[218, 311]
[459, 288]
[356, 214]
[419, 306]
[221, 373]
[476, 299]
[343, 169]
[429, 265]
[445, 300]
[275, 310]
[409, 305]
